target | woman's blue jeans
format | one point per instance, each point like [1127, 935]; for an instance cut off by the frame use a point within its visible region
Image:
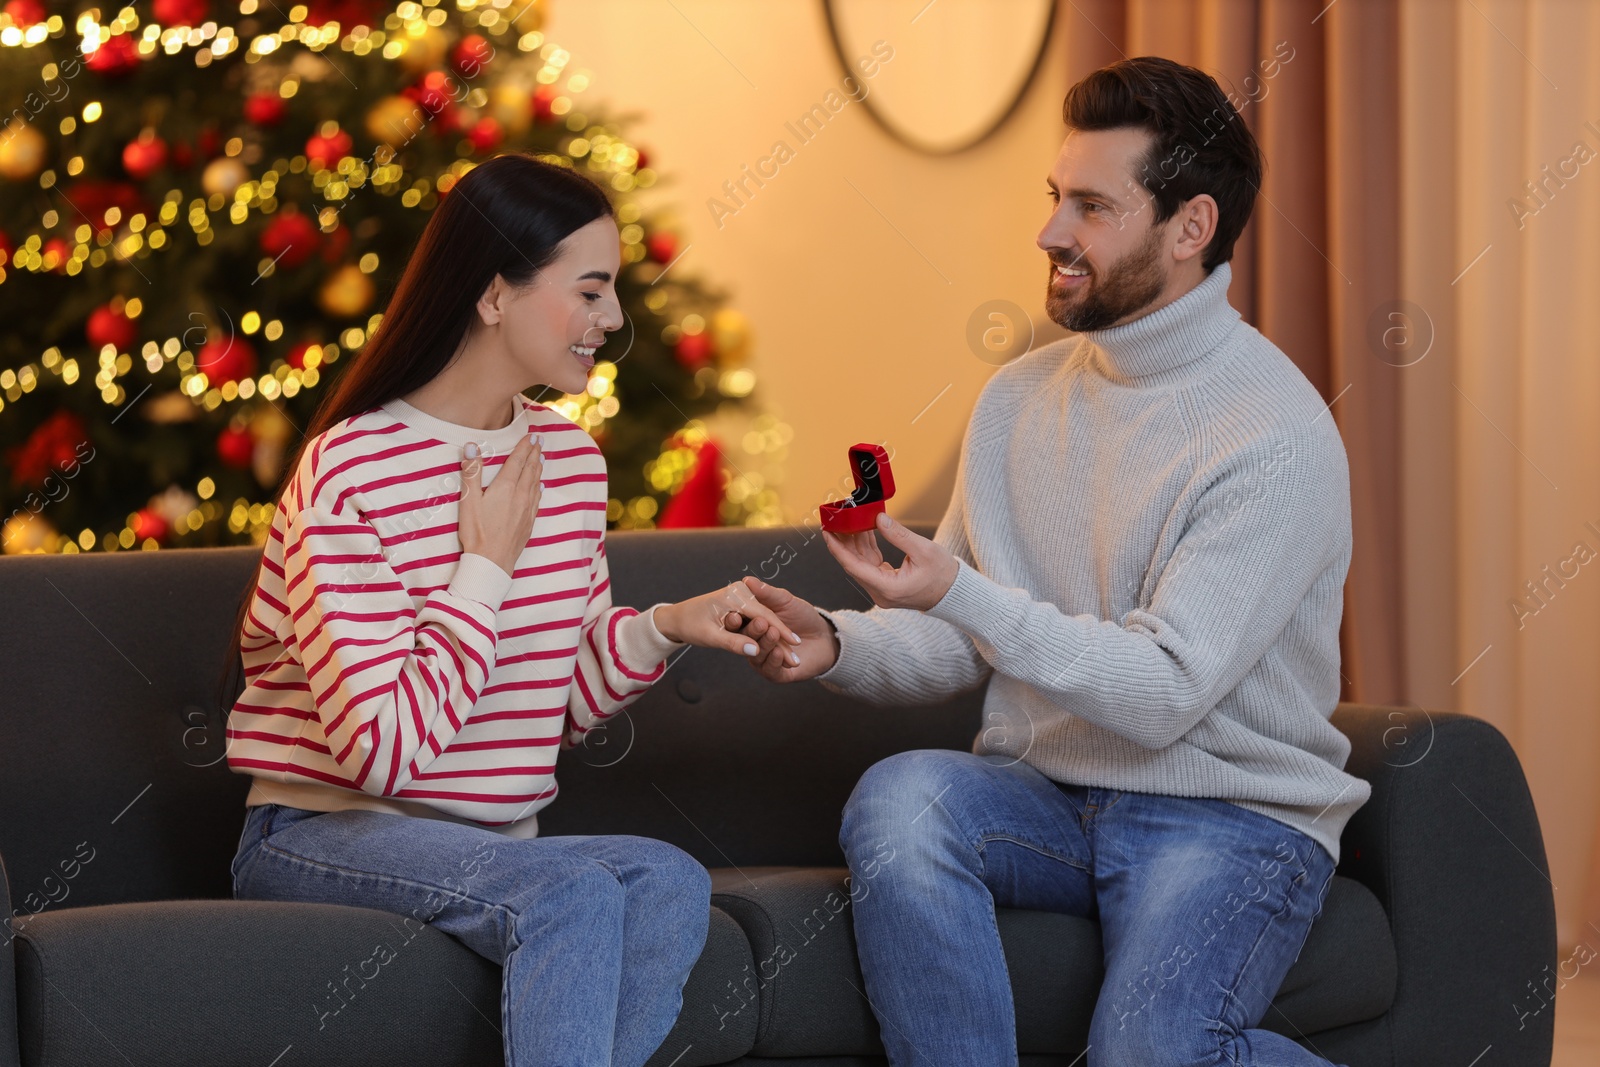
[596, 934]
[1203, 906]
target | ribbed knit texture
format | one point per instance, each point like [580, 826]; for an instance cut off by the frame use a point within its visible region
[1153, 524]
[388, 670]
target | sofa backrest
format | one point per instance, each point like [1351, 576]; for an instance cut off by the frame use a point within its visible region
[113, 785]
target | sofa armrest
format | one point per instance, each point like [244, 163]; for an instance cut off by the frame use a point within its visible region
[10, 1039]
[1450, 844]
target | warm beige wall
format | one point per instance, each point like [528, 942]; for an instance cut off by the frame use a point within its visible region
[857, 327]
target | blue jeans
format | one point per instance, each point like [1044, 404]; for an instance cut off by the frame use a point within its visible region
[621, 918]
[1203, 906]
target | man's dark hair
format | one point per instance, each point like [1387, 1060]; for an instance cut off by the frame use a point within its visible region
[1199, 142]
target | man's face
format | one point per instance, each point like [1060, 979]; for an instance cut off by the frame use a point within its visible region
[1107, 261]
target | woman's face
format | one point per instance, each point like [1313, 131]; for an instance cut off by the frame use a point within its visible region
[557, 324]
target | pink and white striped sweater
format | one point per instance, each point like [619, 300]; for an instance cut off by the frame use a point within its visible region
[386, 669]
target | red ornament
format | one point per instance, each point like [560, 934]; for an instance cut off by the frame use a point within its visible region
[107, 325]
[698, 502]
[543, 97]
[485, 135]
[144, 156]
[335, 243]
[472, 55]
[290, 239]
[61, 249]
[52, 446]
[265, 109]
[147, 523]
[235, 447]
[448, 122]
[693, 350]
[25, 13]
[114, 58]
[328, 150]
[180, 12]
[661, 246]
[208, 141]
[297, 355]
[346, 13]
[433, 93]
[6, 248]
[642, 162]
[90, 200]
[227, 359]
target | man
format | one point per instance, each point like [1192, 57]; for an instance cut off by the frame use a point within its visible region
[1144, 556]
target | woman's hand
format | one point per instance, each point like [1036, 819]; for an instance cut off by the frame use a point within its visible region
[496, 522]
[820, 645]
[710, 621]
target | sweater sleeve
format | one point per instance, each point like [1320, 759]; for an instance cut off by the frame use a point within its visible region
[392, 682]
[900, 656]
[1262, 532]
[620, 654]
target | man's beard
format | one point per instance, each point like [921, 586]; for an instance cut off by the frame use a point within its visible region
[1133, 282]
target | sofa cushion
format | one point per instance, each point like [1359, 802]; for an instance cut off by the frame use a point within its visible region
[806, 985]
[225, 983]
[1347, 970]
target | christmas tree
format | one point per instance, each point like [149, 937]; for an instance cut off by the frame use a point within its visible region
[201, 205]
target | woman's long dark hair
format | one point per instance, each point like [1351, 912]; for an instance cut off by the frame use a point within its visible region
[506, 216]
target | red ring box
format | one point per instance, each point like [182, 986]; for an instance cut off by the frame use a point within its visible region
[869, 463]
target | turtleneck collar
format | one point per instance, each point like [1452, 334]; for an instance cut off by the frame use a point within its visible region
[1155, 349]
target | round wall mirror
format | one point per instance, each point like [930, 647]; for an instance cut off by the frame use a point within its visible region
[958, 67]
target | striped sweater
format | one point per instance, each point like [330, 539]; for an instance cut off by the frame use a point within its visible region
[386, 669]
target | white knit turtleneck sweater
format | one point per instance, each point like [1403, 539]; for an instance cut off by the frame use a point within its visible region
[1153, 524]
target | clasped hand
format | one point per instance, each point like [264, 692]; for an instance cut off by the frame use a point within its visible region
[714, 620]
[783, 636]
[919, 583]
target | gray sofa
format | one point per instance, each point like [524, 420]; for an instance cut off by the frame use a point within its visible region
[118, 820]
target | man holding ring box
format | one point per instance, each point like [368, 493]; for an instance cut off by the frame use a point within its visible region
[1144, 556]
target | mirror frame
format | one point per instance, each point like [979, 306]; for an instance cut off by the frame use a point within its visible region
[982, 135]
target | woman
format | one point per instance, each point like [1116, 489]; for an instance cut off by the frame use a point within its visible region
[432, 621]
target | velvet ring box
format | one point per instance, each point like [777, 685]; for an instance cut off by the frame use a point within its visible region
[869, 463]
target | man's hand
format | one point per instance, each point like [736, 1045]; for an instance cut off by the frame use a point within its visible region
[777, 662]
[920, 582]
[712, 621]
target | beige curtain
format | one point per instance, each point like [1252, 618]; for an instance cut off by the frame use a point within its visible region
[1450, 312]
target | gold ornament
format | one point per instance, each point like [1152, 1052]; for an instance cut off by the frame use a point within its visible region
[27, 533]
[730, 335]
[512, 107]
[346, 293]
[22, 152]
[171, 406]
[269, 424]
[530, 18]
[466, 117]
[224, 175]
[394, 120]
[425, 53]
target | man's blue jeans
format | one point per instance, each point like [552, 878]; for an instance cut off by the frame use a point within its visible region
[1203, 906]
[596, 934]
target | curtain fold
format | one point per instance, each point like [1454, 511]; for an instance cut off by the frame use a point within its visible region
[1363, 136]
[1424, 249]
